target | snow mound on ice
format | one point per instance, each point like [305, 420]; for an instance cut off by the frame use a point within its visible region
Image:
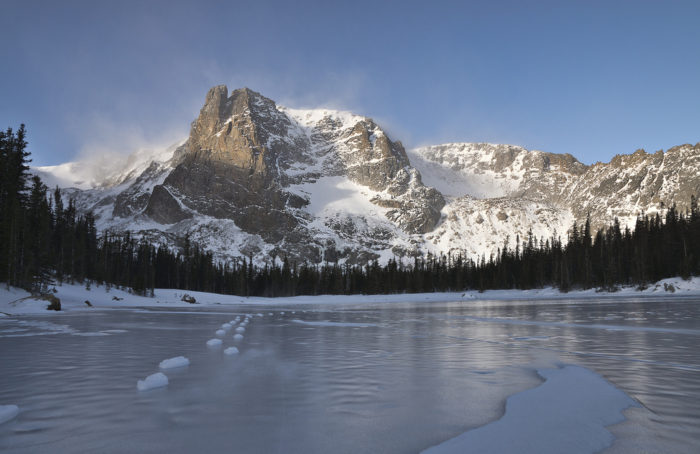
[171, 363]
[238, 337]
[240, 329]
[226, 326]
[568, 413]
[220, 332]
[8, 412]
[214, 343]
[231, 351]
[157, 380]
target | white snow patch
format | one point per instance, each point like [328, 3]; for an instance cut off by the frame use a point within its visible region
[172, 363]
[568, 413]
[238, 337]
[13, 302]
[214, 343]
[339, 194]
[157, 380]
[8, 412]
[240, 329]
[231, 351]
[220, 332]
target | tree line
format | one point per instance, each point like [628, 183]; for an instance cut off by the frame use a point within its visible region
[44, 242]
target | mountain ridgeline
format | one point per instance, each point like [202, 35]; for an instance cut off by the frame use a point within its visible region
[258, 180]
[44, 242]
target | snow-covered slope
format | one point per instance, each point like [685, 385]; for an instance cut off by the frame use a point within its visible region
[103, 171]
[624, 188]
[259, 179]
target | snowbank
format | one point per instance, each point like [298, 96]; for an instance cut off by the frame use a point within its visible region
[8, 412]
[214, 343]
[172, 363]
[231, 351]
[157, 380]
[568, 413]
[15, 301]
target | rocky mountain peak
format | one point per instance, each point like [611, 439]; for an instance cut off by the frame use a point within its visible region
[250, 161]
[255, 178]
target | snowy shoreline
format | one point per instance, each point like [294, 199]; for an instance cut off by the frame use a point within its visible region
[73, 297]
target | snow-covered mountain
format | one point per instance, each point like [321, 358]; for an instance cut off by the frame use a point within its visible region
[259, 179]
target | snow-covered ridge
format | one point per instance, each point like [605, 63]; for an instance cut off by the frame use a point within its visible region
[103, 171]
[486, 170]
[312, 117]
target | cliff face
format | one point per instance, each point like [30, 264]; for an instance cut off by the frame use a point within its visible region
[247, 160]
[257, 179]
[229, 167]
[637, 183]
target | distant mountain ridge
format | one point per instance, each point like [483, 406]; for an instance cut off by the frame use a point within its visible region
[262, 180]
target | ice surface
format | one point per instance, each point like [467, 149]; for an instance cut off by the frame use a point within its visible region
[220, 332]
[328, 323]
[238, 337]
[240, 329]
[568, 413]
[157, 380]
[8, 412]
[171, 363]
[653, 329]
[334, 377]
[231, 351]
[214, 343]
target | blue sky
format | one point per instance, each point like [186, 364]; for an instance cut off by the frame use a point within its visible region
[589, 78]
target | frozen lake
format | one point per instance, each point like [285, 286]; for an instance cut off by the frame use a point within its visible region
[390, 378]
